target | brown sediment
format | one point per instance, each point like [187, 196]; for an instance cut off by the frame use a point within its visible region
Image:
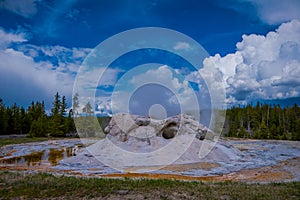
[271, 173]
[257, 175]
[245, 147]
[159, 176]
[186, 167]
[252, 175]
[177, 167]
[95, 169]
[11, 152]
[7, 154]
[23, 168]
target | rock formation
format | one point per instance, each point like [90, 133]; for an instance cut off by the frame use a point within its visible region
[124, 126]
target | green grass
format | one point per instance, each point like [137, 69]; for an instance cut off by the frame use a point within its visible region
[6, 141]
[28, 186]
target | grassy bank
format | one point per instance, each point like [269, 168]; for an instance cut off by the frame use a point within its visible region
[43, 186]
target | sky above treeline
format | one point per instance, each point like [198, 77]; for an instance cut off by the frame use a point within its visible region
[255, 45]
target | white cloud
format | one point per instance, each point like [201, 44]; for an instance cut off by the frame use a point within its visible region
[227, 64]
[26, 80]
[263, 67]
[211, 84]
[177, 90]
[103, 106]
[91, 77]
[25, 8]
[34, 80]
[272, 12]
[277, 11]
[164, 76]
[80, 52]
[182, 46]
[8, 38]
[53, 50]
[60, 51]
[26, 75]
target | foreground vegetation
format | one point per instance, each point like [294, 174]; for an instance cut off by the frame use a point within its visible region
[43, 186]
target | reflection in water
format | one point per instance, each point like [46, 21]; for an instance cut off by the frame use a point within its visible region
[69, 151]
[55, 156]
[13, 160]
[46, 157]
[34, 158]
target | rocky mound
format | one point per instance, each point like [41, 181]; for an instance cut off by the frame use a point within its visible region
[136, 141]
[123, 126]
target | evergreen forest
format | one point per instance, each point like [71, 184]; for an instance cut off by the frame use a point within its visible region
[260, 121]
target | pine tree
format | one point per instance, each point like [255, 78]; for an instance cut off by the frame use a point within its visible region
[16, 119]
[87, 109]
[263, 132]
[56, 126]
[3, 118]
[273, 131]
[39, 127]
[87, 124]
[63, 106]
[25, 126]
[56, 105]
[75, 105]
[69, 123]
[296, 133]
[9, 115]
[38, 120]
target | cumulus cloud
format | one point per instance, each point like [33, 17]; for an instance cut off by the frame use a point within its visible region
[26, 75]
[25, 8]
[95, 79]
[263, 67]
[164, 76]
[158, 85]
[211, 84]
[26, 80]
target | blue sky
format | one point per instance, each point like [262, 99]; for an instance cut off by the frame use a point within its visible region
[255, 44]
[217, 25]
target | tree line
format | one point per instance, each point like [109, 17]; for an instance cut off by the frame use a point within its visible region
[263, 121]
[260, 121]
[35, 122]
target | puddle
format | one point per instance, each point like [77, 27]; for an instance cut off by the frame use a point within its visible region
[42, 158]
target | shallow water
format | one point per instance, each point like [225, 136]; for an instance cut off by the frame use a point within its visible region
[48, 153]
[45, 157]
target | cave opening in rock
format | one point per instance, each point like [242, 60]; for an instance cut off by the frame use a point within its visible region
[170, 130]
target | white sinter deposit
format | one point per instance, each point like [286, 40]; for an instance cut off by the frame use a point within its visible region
[133, 140]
